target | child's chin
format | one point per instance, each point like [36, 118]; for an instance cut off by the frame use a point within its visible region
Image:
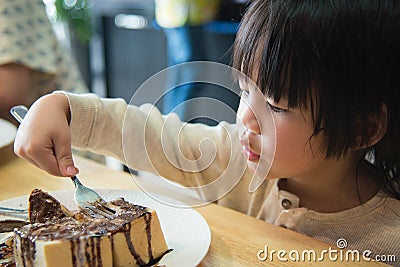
[252, 165]
[259, 169]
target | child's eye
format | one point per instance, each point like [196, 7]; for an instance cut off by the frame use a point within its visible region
[276, 109]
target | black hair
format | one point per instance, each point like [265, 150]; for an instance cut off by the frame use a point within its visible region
[340, 59]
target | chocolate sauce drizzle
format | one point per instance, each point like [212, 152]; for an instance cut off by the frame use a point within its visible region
[147, 217]
[98, 252]
[86, 249]
[85, 237]
[28, 249]
[88, 246]
[139, 260]
[73, 251]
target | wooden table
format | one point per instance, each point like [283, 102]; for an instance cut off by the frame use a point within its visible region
[237, 239]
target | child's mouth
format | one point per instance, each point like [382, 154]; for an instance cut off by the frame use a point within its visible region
[250, 155]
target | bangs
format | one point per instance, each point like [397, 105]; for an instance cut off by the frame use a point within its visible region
[271, 49]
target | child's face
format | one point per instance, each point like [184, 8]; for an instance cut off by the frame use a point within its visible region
[276, 140]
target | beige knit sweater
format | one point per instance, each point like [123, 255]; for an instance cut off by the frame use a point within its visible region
[109, 127]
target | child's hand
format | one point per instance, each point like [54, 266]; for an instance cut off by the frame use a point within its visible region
[44, 137]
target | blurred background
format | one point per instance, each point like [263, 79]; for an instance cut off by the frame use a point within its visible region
[118, 45]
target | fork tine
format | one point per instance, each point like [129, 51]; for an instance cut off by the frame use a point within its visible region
[103, 207]
[11, 210]
[86, 197]
[15, 213]
[91, 213]
[96, 209]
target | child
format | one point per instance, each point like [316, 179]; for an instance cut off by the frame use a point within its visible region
[327, 73]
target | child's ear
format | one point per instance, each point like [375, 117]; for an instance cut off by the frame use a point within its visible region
[376, 128]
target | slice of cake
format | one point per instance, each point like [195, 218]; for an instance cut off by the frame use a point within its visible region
[65, 243]
[43, 208]
[139, 240]
[132, 238]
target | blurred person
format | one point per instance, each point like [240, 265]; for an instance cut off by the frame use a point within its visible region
[32, 61]
[183, 23]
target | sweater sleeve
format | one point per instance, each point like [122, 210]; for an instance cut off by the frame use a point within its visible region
[193, 155]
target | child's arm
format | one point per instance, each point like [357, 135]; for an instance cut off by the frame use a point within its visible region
[144, 139]
[140, 137]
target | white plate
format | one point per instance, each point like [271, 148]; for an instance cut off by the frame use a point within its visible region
[7, 133]
[185, 230]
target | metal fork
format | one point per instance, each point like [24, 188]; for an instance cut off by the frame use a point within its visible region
[15, 213]
[88, 201]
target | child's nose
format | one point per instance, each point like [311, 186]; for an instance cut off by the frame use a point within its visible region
[248, 118]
